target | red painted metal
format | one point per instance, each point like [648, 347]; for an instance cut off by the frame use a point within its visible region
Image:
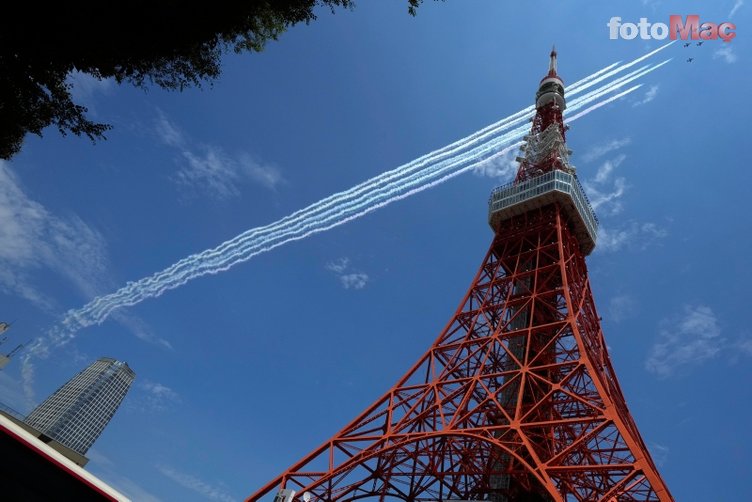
[515, 400]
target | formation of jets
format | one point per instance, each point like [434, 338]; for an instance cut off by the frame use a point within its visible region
[687, 44]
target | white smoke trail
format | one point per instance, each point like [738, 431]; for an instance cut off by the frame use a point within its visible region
[40, 349]
[244, 249]
[423, 173]
[591, 82]
[573, 86]
[352, 193]
[602, 103]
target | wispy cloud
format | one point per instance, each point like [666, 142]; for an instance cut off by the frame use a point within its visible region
[339, 265]
[685, 340]
[168, 132]
[599, 151]
[196, 485]
[745, 345]
[606, 192]
[155, 397]
[649, 96]
[350, 279]
[354, 280]
[607, 200]
[11, 394]
[621, 307]
[726, 52]
[208, 169]
[105, 469]
[140, 329]
[633, 235]
[33, 239]
[659, 453]
[603, 173]
[605, 196]
[735, 8]
[98, 458]
[501, 167]
[84, 88]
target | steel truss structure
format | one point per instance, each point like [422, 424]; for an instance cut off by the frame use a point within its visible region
[516, 400]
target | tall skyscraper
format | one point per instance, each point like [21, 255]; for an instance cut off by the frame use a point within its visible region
[77, 413]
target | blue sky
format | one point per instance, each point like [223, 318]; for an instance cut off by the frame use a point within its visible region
[241, 373]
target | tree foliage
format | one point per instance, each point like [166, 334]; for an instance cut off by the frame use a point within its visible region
[170, 44]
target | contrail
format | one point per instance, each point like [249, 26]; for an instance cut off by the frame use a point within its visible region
[602, 103]
[208, 258]
[423, 173]
[243, 250]
[355, 191]
[592, 82]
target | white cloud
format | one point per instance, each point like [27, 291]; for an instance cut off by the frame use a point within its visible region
[196, 485]
[265, 175]
[502, 166]
[620, 307]
[168, 132]
[745, 345]
[633, 235]
[140, 329]
[611, 240]
[84, 87]
[599, 151]
[338, 266]
[105, 469]
[11, 394]
[350, 279]
[98, 458]
[128, 487]
[649, 95]
[606, 200]
[726, 52]
[209, 169]
[604, 171]
[354, 280]
[685, 340]
[735, 8]
[659, 453]
[156, 397]
[33, 238]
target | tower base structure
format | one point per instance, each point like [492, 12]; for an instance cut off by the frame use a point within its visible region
[515, 400]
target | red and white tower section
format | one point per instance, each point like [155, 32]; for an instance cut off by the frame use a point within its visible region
[516, 400]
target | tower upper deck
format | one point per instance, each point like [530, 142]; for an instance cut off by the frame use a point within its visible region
[545, 175]
[513, 199]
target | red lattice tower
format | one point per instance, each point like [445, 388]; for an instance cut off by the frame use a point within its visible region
[516, 400]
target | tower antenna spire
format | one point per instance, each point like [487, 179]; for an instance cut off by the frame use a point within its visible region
[552, 62]
[545, 148]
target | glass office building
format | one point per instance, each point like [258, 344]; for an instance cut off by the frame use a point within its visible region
[77, 413]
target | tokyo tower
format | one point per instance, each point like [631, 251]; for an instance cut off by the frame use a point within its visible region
[516, 400]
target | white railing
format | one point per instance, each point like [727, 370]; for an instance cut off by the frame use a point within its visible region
[511, 194]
